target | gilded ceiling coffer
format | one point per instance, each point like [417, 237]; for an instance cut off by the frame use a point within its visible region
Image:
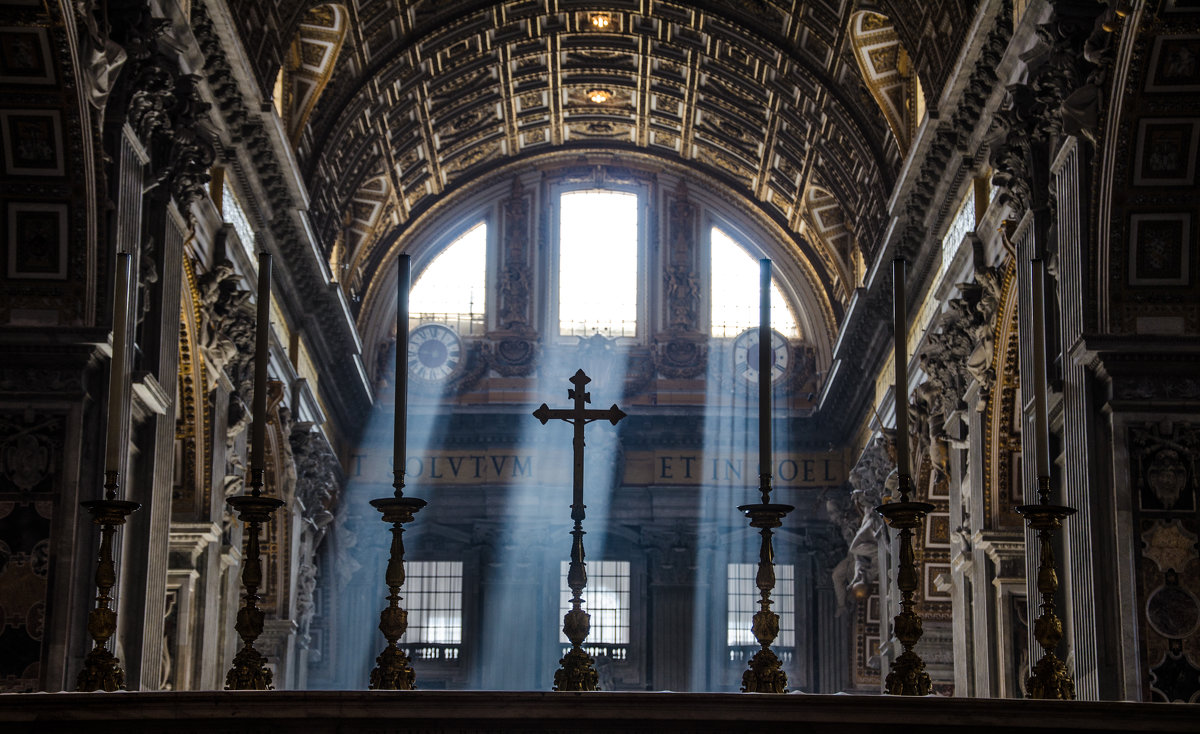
[393, 671]
[577, 671]
[907, 676]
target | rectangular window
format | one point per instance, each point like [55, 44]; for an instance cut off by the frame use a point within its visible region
[598, 263]
[606, 599]
[234, 214]
[432, 594]
[743, 598]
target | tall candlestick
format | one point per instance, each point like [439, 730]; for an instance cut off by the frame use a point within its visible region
[900, 310]
[262, 358]
[400, 448]
[764, 377]
[1040, 408]
[116, 373]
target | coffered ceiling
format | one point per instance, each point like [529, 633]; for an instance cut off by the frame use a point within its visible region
[765, 96]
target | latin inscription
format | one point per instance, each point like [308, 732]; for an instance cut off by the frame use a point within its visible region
[642, 468]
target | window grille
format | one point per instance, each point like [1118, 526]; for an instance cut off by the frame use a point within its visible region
[743, 596]
[606, 599]
[432, 594]
[734, 291]
[451, 290]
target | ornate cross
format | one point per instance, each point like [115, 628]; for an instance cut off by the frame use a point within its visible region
[577, 673]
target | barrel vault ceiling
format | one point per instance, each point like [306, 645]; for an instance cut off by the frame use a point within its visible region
[421, 96]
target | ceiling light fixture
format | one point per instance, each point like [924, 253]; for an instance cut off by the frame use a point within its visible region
[599, 96]
[600, 21]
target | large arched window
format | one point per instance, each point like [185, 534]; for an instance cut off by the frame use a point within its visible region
[734, 291]
[451, 290]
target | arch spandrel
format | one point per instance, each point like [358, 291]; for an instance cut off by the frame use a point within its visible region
[309, 65]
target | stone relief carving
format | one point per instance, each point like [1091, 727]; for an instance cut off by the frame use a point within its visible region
[513, 354]
[512, 357]
[681, 356]
[102, 58]
[672, 555]
[680, 279]
[30, 451]
[385, 363]
[860, 525]
[958, 354]
[162, 105]
[147, 276]
[1060, 94]
[318, 486]
[515, 277]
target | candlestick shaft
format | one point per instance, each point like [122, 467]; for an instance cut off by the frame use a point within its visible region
[403, 285]
[900, 313]
[262, 358]
[765, 373]
[1040, 407]
[115, 448]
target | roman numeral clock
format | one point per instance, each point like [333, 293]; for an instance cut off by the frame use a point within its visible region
[745, 356]
[435, 354]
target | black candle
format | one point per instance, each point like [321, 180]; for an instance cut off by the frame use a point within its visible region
[262, 357]
[901, 344]
[764, 374]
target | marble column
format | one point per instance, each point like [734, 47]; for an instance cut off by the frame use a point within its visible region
[1089, 633]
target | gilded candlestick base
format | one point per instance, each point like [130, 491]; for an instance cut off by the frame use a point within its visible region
[249, 671]
[907, 676]
[101, 669]
[1049, 678]
[576, 672]
[393, 671]
[764, 673]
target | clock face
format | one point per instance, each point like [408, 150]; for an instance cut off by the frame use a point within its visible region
[745, 356]
[434, 352]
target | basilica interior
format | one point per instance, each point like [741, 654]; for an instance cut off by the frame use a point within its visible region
[494, 195]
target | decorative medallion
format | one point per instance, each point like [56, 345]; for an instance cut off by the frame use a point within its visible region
[1169, 545]
[435, 353]
[745, 356]
[1172, 611]
[512, 357]
[681, 357]
[1175, 678]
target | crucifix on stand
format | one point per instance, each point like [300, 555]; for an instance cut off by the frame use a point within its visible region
[577, 672]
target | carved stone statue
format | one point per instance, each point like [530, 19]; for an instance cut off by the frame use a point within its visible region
[861, 526]
[102, 58]
[318, 486]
